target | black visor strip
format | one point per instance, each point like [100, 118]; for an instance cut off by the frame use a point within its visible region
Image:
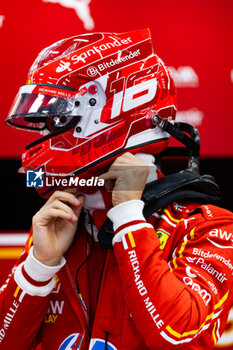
[63, 87]
[9, 122]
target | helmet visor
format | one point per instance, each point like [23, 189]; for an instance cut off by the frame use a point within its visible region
[42, 108]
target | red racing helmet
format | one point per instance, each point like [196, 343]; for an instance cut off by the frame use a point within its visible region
[91, 97]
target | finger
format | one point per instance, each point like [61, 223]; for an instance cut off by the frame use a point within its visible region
[57, 204]
[112, 174]
[74, 209]
[81, 199]
[70, 190]
[125, 158]
[61, 214]
[63, 196]
[110, 184]
[127, 155]
[52, 214]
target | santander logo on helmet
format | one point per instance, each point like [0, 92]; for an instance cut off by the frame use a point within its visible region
[91, 97]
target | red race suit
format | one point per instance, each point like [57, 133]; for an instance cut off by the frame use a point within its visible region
[166, 284]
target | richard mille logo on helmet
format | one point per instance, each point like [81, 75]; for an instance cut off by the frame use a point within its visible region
[36, 179]
[93, 51]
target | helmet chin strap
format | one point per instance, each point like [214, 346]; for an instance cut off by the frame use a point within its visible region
[179, 131]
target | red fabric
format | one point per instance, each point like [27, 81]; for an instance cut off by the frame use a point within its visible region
[148, 297]
[32, 281]
[135, 222]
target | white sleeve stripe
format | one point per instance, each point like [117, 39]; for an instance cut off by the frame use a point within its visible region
[22, 296]
[187, 340]
[176, 342]
[165, 218]
[120, 235]
[125, 244]
[218, 327]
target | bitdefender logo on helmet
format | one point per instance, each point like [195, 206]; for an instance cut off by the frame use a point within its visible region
[36, 179]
